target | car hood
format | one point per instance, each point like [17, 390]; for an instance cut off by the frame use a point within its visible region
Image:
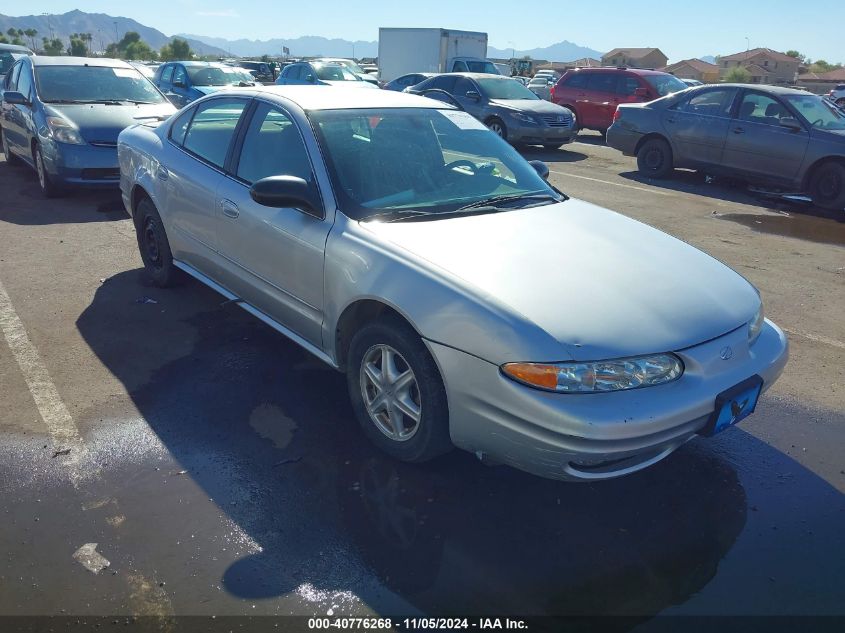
[603, 285]
[538, 106]
[102, 123]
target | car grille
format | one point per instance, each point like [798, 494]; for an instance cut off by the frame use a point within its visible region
[103, 173]
[103, 143]
[558, 120]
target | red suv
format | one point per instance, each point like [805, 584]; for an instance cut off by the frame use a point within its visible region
[593, 93]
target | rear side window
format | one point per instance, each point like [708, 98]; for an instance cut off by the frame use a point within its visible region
[444, 82]
[715, 102]
[602, 82]
[577, 80]
[212, 129]
[627, 85]
[167, 74]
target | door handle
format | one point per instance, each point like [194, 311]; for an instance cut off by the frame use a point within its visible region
[670, 120]
[162, 173]
[230, 209]
[739, 130]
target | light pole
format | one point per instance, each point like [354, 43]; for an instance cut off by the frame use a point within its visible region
[353, 51]
[116, 36]
[49, 24]
[747, 46]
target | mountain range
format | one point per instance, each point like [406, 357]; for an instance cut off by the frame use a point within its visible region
[105, 29]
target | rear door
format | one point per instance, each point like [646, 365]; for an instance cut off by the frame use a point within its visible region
[601, 100]
[758, 145]
[698, 125]
[571, 91]
[194, 171]
[274, 257]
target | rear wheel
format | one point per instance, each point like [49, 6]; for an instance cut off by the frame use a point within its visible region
[13, 160]
[827, 186]
[48, 187]
[655, 158]
[154, 246]
[397, 392]
[841, 102]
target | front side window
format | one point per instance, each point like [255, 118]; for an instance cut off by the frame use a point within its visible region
[602, 82]
[759, 108]
[6, 62]
[212, 129]
[167, 74]
[25, 81]
[627, 85]
[273, 147]
[180, 126]
[180, 76]
[94, 84]
[385, 160]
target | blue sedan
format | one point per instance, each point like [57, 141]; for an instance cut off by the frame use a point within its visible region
[62, 116]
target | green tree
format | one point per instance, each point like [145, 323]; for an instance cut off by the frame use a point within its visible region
[3, 39]
[78, 46]
[176, 50]
[53, 47]
[31, 33]
[738, 75]
[15, 35]
[821, 66]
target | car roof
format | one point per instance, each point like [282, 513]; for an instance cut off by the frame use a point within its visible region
[777, 90]
[479, 75]
[191, 63]
[41, 60]
[336, 98]
[14, 48]
[618, 69]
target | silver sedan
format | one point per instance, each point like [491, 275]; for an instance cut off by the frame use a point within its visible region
[469, 303]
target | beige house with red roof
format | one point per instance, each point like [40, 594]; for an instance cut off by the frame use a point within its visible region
[765, 65]
[694, 69]
[635, 58]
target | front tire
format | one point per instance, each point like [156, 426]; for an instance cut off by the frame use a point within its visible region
[498, 127]
[827, 186]
[48, 188]
[154, 245]
[397, 392]
[654, 159]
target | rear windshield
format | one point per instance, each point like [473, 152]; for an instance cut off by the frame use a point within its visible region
[817, 112]
[335, 72]
[93, 84]
[665, 84]
[213, 76]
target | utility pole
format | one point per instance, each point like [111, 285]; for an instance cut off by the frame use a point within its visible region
[116, 36]
[49, 24]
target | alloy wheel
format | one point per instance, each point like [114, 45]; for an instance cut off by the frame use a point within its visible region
[391, 393]
[496, 128]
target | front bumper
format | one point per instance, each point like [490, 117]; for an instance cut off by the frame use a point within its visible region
[623, 139]
[539, 134]
[81, 165]
[603, 435]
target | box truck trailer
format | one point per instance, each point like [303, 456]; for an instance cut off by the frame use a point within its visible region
[402, 51]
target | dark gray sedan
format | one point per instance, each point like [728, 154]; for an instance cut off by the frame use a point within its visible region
[770, 135]
[507, 107]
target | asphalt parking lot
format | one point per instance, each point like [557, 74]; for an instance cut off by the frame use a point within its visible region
[218, 468]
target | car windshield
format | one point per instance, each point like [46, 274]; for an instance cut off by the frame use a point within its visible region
[817, 112]
[355, 68]
[94, 84]
[505, 89]
[384, 161]
[665, 84]
[335, 72]
[215, 76]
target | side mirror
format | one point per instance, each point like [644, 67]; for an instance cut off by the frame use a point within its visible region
[178, 84]
[282, 192]
[472, 94]
[541, 168]
[641, 92]
[310, 79]
[790, 123]
[15, 98]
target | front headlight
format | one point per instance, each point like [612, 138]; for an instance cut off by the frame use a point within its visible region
[598, 376]
[755, 326]
[525, 118]
[63, 132]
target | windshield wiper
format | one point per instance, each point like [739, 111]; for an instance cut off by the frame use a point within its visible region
[496, 202]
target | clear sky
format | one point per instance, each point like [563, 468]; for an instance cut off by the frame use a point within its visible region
[683, 28]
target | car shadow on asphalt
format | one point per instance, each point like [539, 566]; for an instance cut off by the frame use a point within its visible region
[562, 155]
[267, 432]
[24, 204]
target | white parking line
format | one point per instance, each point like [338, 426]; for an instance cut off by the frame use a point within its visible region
[608, 182]
[816, 338]
[55, 414]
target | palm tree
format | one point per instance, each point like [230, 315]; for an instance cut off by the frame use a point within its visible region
[31, 33]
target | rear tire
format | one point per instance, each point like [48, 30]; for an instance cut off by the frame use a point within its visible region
[11, 159]
[397, 392]
[827, 186]
[48, 188]
[154, 245]
[654, 159]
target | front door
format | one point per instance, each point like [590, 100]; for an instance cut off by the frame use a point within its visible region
[758, 145]
[274, 256]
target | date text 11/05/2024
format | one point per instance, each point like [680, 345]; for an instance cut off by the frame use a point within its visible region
[417, 624]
